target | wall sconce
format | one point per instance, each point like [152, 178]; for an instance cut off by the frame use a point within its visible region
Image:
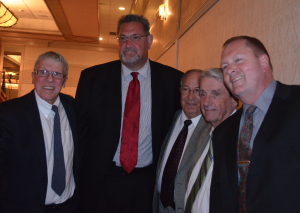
[7, 18]
[163, 11]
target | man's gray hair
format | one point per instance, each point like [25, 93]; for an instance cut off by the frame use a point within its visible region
[134, 18]
[216, 73]
[188, 72]
[56, 57]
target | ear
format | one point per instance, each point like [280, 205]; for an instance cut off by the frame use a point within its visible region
[32, 76]
[65, 80]
[150, 41]
[264, 61]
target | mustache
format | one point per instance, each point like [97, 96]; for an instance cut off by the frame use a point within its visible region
[129, 49]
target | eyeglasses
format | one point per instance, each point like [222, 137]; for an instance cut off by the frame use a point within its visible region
[134, 38]
[186, 90]
[45, 74]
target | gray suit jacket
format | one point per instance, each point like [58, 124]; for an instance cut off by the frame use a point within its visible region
[192, 153]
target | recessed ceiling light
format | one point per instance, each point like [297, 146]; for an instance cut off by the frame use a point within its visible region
[20, 10]
[100, 38]
[121, 8]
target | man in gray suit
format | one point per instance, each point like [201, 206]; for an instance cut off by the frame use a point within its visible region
[181, 149]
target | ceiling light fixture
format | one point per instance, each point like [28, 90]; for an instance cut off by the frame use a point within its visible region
[7, 18]
[121, 8]
[163, 11]
[100, 39]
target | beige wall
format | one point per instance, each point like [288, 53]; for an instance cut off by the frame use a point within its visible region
[77, 60]
[274, 22]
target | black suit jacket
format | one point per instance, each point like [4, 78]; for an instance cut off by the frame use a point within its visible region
[273, 179]
[99, 104]
[23, 167]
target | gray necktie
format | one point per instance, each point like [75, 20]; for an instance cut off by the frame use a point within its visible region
[59, 170]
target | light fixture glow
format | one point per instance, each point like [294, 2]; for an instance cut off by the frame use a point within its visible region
[100, 38]
[163, 11]
[121, 8]
[7, 18]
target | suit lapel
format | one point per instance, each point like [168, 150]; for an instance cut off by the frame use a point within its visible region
[272, 117]
[196, 142]
[231, 151]
[157, 90]
[35, 126]
[165, 143]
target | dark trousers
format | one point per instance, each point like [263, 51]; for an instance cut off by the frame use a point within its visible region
[127, 193]
[68, 207]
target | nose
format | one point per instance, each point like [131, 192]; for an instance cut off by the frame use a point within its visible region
[191, 94]
[50, 77]
[128, 43]
[206, 100]
[230, 69]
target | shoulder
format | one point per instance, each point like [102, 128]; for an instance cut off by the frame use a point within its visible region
[167, 70]
[107, 67]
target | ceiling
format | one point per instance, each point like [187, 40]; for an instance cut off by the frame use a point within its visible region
[64, 20]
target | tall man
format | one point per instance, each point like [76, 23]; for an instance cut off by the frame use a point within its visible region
[38, 144]
[125, 108]
[217, 104]
[258, 150]
[182, 148]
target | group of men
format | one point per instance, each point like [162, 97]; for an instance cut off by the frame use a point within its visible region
[144, 137]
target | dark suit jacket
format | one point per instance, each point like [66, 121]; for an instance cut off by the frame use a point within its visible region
[273, 179]
[23, 167]
[99, 104]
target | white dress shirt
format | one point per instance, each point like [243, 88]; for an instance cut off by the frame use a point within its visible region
[145, 132]
[47, 120]
[176, 130]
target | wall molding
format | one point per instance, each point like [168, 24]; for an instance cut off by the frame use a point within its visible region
[183, 29]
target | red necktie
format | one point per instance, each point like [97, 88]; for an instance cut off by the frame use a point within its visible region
[131, 122]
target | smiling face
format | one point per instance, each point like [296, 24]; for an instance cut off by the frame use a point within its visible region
[246, 75]
[134, 55]
[216, 103]
[190, 103]
[48, 88]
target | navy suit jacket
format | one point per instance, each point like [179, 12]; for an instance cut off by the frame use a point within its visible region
[273, 179]
[99, 109]
[23, 167]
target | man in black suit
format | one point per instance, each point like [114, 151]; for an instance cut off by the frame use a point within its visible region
[108, 184]
[38, 159]
[257, 150]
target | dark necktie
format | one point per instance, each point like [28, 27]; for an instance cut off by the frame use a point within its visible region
[200, 179]
[243, 153]
[131, 121]
[171, 167]
[59, 170]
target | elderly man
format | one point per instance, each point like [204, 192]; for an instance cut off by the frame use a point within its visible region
[258, 148]
[217, 104]
[38, 144]
[125, 109]
[182, 148]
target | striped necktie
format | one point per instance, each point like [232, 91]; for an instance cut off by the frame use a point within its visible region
[200, 179]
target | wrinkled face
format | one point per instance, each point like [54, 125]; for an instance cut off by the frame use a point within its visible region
[134, 54]
[216, 104]
[243, 71]
[190, 103]
[48, 88]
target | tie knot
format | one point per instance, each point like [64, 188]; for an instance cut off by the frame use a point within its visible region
[187, 122]
[134, 75]
[251, 109]
[54, 108]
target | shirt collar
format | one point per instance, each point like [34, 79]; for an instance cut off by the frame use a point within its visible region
[44, 106]
[264, 100]
[194, 120]
[144, 71]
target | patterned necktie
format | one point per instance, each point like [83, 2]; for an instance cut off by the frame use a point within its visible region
[131, 122]
[59, 171]
[171, 167]
[200, 179]
[243, 153]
